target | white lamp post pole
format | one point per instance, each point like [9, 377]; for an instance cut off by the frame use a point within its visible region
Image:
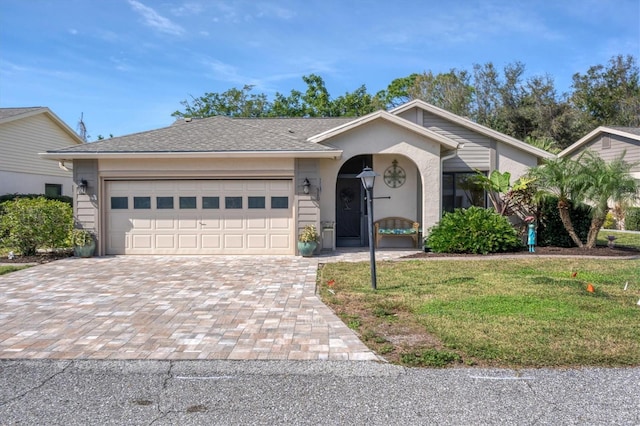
[368, 178]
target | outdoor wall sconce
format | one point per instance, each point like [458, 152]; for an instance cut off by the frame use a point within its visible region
[82, 187]
[306, 185]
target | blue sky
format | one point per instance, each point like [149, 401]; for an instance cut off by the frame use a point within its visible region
[127, 64]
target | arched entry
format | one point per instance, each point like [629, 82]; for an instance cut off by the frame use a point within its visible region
[350, 206]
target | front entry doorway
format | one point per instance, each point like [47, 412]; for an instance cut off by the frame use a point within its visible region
[351, 219]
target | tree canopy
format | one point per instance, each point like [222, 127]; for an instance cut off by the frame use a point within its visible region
[527, 109]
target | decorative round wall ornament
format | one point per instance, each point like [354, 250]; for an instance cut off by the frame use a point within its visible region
[395, 175]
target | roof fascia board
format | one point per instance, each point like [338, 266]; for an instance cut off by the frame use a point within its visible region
[66, 156]
[384, 115]
[464, 122]
[591, 135]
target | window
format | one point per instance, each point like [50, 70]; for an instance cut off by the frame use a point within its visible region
[256, 202]
[459, 191]
[141, 202]
[210, 202]
[187, 202]
[279, 202]
[232, 202]
[52, 189]
[118, 203]
[164, 203]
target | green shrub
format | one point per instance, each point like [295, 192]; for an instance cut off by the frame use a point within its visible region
[632, 219]
[64, 198]
[28, 224]
[551, 231]
[473, 230]
[609, 221]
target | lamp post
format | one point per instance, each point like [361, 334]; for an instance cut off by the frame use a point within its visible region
[368, 178]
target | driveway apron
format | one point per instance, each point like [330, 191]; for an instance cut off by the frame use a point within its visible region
[168, 307]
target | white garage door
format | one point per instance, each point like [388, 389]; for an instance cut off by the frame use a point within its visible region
[199, 217]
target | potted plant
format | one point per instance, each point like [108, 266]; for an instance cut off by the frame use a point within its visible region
[84, 245]
[308, 240]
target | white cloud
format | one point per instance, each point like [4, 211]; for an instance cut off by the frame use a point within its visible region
[155, 20]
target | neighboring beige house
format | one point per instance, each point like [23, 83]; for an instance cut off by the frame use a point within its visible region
[224, 185]
[609, 143]
[24, 133]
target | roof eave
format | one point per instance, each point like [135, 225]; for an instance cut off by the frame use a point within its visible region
[67, 156]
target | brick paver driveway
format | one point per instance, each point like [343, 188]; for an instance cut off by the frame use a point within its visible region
[166, 307]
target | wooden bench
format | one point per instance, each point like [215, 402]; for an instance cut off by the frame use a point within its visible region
[397, 227]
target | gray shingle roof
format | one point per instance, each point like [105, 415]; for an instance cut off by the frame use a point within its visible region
[11, 112]
[220, 134]
[632, 130]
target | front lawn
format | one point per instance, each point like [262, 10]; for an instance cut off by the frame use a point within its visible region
[11, 268]
[506, 313]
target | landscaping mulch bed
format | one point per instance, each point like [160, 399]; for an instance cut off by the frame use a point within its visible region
[601, 251]
[38, 258]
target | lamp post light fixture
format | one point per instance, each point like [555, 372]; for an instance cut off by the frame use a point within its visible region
[368, 178]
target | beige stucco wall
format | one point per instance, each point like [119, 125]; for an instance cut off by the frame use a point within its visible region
[386, 141]
[514, 161]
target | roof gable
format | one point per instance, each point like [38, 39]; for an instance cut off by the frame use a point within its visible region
[385, 116]
[627, 132]
[473, 126]
[8, 115]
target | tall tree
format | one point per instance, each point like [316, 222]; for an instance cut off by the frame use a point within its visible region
[559, 177]
[232, 103]
[605, 183]
[608, 95]
[451, 91]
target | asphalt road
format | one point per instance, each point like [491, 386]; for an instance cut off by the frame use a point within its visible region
[309, 392]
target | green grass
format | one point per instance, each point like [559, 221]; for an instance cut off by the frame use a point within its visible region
[8, 269]
[623, 239]
[510, 313]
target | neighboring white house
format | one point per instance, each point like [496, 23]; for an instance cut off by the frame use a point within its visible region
[609, 143]
[24, 133]
[224, 185]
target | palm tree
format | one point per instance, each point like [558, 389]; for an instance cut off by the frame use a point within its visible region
[561, 177]
[604, 183]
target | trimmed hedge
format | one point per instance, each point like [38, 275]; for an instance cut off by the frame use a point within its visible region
[632, 219]
[63, 198]
[551, 231]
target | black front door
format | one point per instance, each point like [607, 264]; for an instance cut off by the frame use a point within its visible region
[349, 212]
[351, 221]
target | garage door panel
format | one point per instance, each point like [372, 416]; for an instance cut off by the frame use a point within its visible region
[257, 242]
[280, 241]
[233, 241]
[211, 242]
[165, 224]
[141, 223]
[257, 223]
[204, 227]
[141, 241]
[233, 224]
[165, 241]
[188, 241]
[187, 224]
